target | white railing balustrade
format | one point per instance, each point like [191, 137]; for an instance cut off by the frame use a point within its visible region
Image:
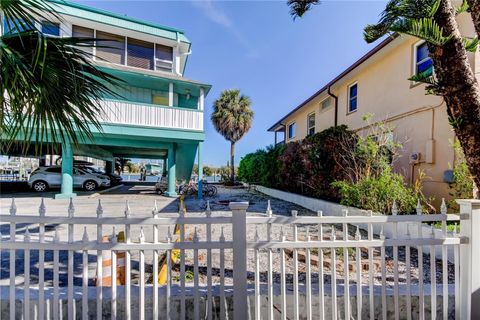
[241, 266]
[132, 113]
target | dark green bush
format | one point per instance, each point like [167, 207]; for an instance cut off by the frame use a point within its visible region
[339, 165]
[306, 167]
[261, 167]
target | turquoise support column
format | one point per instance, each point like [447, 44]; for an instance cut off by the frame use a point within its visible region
[164, 168]
[172, 177]
[67, 173]
[200, 170]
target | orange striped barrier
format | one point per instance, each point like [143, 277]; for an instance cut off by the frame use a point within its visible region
[107, 264]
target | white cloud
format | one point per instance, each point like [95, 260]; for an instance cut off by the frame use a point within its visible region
[213, 13]
[219, 17]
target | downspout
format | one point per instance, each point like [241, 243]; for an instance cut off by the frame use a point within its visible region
[335, 98]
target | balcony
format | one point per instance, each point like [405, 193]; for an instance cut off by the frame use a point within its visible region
[142, 114]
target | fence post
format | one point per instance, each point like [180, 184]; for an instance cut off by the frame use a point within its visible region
[470, 259]
[239, 238]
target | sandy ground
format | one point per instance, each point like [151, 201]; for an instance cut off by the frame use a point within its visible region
[141, 201]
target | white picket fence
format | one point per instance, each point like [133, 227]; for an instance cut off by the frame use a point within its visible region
[280, 243]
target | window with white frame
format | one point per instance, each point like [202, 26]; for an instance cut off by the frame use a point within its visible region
[423, 62]
[352, 98]
[291, 130]
[311, 124]
[325, 103]
[163, 58]
[122, 50]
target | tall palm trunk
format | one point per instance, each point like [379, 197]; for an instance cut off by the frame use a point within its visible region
[232, 162]
[459, 87]
[474, 9]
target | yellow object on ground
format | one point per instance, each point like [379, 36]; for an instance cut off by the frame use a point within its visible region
[175, 254]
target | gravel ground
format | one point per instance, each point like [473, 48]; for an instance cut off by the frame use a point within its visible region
[258, 207]
[141, 206]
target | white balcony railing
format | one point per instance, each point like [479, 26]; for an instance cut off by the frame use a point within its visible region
[132, 113]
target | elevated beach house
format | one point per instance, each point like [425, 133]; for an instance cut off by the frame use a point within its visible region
[158, 113]
[378, 84]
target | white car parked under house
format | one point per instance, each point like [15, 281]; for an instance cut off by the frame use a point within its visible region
[44, 178]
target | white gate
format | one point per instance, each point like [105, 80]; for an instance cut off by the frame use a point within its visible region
[241, 266]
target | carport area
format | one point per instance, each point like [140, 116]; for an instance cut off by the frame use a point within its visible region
[178, 155]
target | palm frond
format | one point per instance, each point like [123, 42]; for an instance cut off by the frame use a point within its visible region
[53, 88]
[397, 11]
[424, 77]
[471, 44]
[426, 29]
[21, 15]
[299, 7]
[232, 116]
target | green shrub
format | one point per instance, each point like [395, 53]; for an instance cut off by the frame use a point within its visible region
[261, 167]
[462, 185]
[371, 183]
[340, 165]
[378, 192]
[306, 167]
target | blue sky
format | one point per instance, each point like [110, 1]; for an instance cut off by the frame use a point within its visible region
[255, 46]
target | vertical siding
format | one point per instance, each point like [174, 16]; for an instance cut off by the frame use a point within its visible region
[143, 95]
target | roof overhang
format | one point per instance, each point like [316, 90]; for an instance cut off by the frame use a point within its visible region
[152, 79]
[277, 127]
[118, 20]
[354, 67]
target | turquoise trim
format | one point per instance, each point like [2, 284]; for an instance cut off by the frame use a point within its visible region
[200, 170]
[172, 176]
[133, 78]
[118, 20]
[152, 105]
[151, 132]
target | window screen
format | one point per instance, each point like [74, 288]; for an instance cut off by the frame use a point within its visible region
[326, 103]
[110, 47]
[164, 57]
[140, 54]
[82, 32]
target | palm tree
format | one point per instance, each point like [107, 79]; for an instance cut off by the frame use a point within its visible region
[49, 87]
[232, 118]
[435, 22]
[121, 163]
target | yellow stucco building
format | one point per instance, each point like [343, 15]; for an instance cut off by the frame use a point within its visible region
[378, 84]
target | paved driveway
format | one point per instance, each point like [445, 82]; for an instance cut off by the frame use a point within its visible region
[141, 200]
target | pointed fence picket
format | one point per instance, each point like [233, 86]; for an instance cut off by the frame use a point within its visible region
[340, 285]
